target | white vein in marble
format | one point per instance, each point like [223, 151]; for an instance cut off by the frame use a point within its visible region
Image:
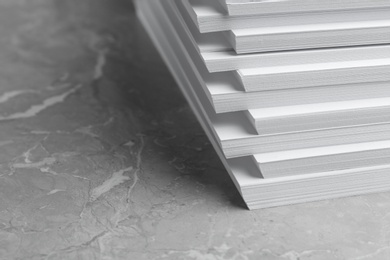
[36, 109]
[116, 179]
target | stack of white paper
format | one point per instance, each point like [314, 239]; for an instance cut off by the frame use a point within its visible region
[293, 94]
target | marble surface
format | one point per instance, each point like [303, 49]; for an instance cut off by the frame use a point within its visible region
[101, 157]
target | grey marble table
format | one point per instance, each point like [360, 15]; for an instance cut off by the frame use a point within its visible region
[101, 157]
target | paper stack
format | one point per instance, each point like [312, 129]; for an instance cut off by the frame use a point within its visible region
[293, 94]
